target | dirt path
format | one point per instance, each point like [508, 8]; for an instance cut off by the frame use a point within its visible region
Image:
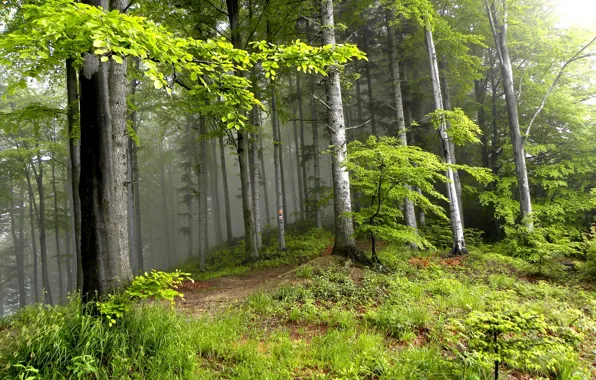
[215, 294]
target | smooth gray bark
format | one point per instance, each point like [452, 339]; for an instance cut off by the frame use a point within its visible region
[279, 194]
[297, 155]
[499, 29]
[345, 244]
[459, 244]
[201, 173]
[57, 235]
[226, 191]
[316, 161]
[215, 190]
[409, 211]
[16, 232]
[302, 161]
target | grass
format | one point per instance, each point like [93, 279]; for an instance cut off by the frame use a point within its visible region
[333, 322]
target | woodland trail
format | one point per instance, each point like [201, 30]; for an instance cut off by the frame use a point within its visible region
[218, 293]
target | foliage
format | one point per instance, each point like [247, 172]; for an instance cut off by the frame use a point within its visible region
[519, 339]
[156, 285]
[70, 29]
[384, 172]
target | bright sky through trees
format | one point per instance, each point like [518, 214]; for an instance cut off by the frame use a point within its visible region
[577, 12]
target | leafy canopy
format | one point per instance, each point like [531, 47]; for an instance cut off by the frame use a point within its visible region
[61, 29]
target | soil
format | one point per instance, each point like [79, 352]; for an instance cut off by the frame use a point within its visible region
[218, 293]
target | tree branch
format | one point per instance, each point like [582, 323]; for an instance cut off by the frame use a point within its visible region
[576, 57]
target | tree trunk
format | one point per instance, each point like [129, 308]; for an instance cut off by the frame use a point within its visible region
[345, 244]
[57, 235]
[189, 197]
[409, 211]
[201, 173]
[447, 107]
[459, 244]
[104, 228]
[216, 197]
[33, 243]
[371, 103]
[226, 191]
[45, 275]
[18, 242]
[302, 162]
[134, 207]
[74, 164]
[256, 179]
[316, 162]
[279, 193]
[519, 154]
[250, 246]
[297, 152]
[165, 207]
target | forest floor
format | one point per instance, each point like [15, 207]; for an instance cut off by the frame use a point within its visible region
[425, 317]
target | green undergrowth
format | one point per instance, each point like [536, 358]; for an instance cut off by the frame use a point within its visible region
[302, 241]
[427, 318]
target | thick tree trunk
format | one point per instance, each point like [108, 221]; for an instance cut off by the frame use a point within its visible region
[134, 206]
[226, 191]
[459, 244]
[297, 156]
[345, 244]
[250, 246]
[519, 155]
[302, 161]
[57, 236]
[72, 91]
[279, 193]
[409, 211]
[104, 228]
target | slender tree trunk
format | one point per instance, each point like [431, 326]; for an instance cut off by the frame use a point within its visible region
[32, 220]
[45, 275]
[447, 107]
[201, 173]
[371, 102]
[57, 236]
[292, 181]
[316, 161]
[409, 211]
[16, 232]
[250, 246]
[190, 190]
[256, 180]
[302, 161]
[264, 181]
[499, 29]
[345, 244]
[279, 193]
[226, 191]
[216, 197]
[459, 244]
[68, 253]
[480, 93]
[297, 156]
[74, 163]
[165, 208]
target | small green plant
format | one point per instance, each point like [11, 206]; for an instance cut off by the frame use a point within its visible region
[83, 365]
[520, 339]
[157, 285]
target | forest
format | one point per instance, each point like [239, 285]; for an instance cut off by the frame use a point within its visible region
[304, 189]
